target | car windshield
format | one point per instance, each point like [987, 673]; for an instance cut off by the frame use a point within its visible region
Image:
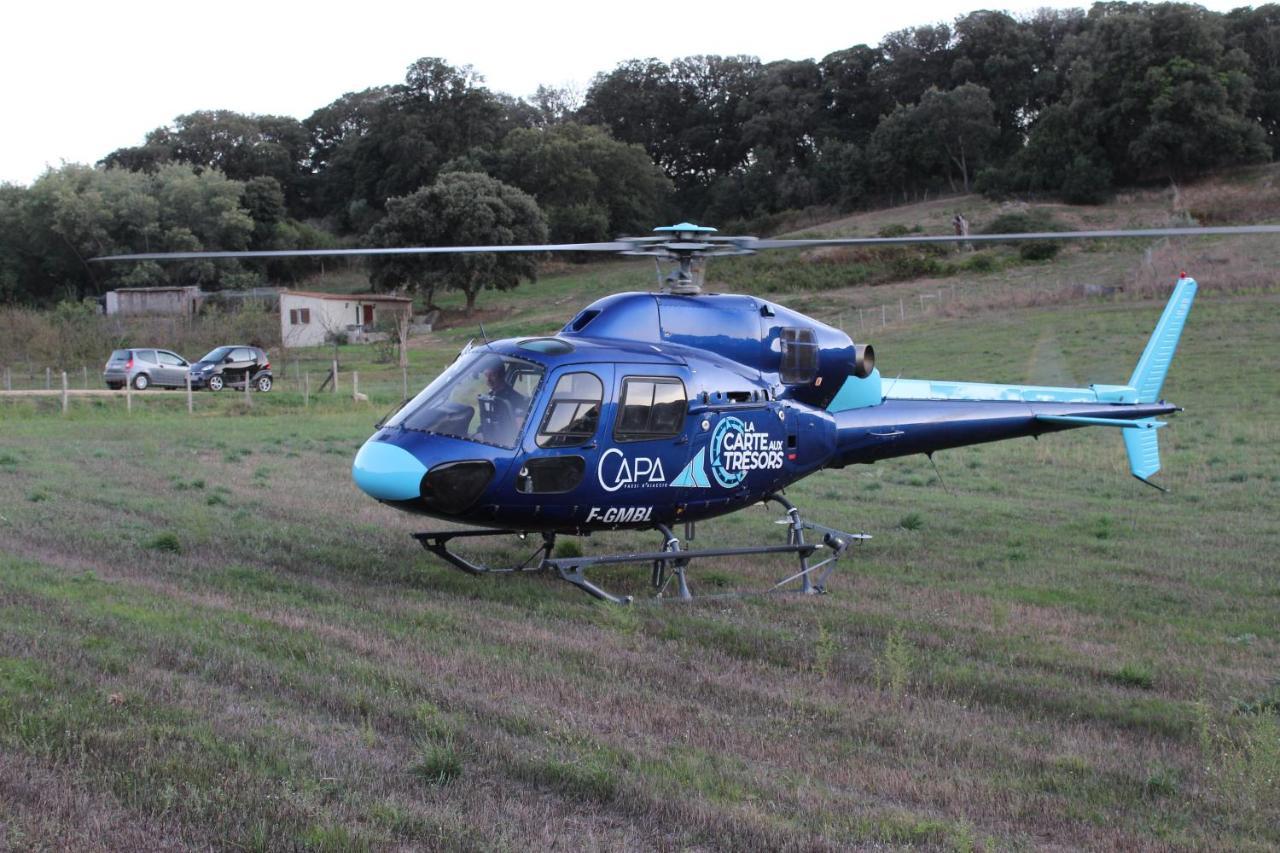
[119, 355]
[482, 396]
[217, 355]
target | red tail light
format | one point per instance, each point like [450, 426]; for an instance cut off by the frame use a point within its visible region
[266, 365]
[128, 365]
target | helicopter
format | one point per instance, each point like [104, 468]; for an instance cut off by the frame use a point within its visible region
[652, 410]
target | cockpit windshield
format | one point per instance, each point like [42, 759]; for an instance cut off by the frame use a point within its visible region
[483, 396]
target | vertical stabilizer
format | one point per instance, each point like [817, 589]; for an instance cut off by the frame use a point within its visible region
[1148, 376]
[1143, 445]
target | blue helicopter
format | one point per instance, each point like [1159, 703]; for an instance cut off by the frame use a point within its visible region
[652, 410]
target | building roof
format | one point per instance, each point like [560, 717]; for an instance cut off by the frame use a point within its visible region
[173, 288]
[347, 297]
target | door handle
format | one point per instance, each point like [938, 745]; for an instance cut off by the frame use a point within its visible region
[889, 434]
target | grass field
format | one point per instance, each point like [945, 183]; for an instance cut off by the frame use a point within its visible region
[210, 638]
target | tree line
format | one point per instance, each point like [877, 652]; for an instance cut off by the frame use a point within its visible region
[1065, 103]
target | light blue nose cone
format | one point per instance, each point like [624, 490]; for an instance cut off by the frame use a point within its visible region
[387, 472]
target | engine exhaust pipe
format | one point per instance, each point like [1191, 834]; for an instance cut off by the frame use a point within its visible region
[864, 360]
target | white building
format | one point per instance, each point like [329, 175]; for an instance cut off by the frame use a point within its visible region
[307, 318]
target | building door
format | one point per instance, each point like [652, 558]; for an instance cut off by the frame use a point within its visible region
[367, 318]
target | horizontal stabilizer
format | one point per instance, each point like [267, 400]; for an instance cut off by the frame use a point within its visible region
[1079, 420]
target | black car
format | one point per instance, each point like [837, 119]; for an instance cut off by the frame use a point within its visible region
[230, 366]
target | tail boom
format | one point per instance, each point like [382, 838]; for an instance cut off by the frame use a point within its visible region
[905, 427]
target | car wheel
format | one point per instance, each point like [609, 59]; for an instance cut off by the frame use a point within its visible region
[141, 382]
[264, 383]
[215, 383]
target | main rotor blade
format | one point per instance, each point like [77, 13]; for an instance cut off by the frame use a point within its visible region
[707, 247]
[330, 253]
[755, 243]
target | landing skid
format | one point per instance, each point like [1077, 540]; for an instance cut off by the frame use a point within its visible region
[668, 564]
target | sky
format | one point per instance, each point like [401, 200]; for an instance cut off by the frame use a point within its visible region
[81, 79]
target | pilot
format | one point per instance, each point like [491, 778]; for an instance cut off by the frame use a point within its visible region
[505, 417]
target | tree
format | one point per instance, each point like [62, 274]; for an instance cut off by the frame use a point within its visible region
[1257, 32]
[1153, 87]
[913, 60]
[556, 105]
[590, 186]
[459, 209]
[239, 146]
[1001, 54]
[784, 112]
[394, 142]
[854, 102]
[1059, 157]
[961, 123]
[640, 102]
[74, 213]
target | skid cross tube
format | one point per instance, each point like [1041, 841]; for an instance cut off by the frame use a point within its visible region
[672, 556]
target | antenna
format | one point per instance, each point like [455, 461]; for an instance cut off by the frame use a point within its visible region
[939, 473]
[483, 335]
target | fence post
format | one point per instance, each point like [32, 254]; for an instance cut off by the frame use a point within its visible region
[306, 390]
[48, 378]
[85, 369]
[355, 385]
[883, 321]
[248, 382]
[128, 395]
[335, 376]
[190, 406]
[404, 379]
[64, 392]
[902, 307]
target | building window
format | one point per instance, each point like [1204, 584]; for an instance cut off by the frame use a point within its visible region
[299, 316]
[651, 407]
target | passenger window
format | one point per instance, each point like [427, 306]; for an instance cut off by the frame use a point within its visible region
[550, 474]
[650, 408]
[799, 356]
[574, 411]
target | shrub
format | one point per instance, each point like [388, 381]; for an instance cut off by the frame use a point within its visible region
[1028, 221]
[568, 548]
[893, 667]
[1134, 675]
[439, 763]
[167, 542]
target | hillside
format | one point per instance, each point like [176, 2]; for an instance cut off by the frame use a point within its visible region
[210, 638]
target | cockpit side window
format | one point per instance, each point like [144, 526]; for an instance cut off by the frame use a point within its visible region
[650, 407]
[799, 355]
[482, 396]
[573, 414]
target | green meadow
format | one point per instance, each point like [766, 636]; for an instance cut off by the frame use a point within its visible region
[210, 638]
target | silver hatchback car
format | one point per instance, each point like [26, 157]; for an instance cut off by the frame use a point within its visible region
[143, 368]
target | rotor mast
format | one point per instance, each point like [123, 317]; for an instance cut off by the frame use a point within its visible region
[689, 246]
